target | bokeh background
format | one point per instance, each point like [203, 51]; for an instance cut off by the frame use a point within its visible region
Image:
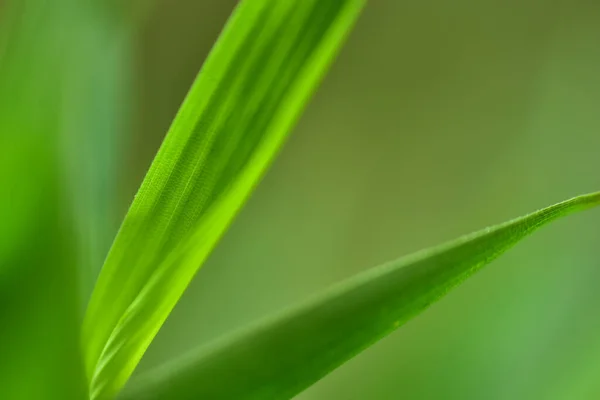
[438, 118]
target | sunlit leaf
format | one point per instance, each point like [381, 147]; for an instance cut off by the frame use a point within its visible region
[248, 95]
[280, 357]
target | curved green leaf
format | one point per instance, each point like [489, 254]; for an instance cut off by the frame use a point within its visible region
[280, 357]
[248, 95]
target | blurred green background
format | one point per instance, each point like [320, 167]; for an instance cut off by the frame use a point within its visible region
[438, 118]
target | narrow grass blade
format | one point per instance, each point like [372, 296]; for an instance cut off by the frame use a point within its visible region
[280, 357]
[249, 93]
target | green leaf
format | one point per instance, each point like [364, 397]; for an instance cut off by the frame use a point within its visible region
[251, 90]
[280, 357]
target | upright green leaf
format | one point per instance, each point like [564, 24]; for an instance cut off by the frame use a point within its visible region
[280, 357]
[248, 95]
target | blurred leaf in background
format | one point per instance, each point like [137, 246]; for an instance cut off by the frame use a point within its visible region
[39, 302]
[96, 124]
[65, 83]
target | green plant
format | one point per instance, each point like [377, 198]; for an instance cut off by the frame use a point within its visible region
[250, 92]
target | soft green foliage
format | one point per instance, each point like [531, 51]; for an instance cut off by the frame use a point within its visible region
[39, 356]
[280, 357]
[249, 93]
